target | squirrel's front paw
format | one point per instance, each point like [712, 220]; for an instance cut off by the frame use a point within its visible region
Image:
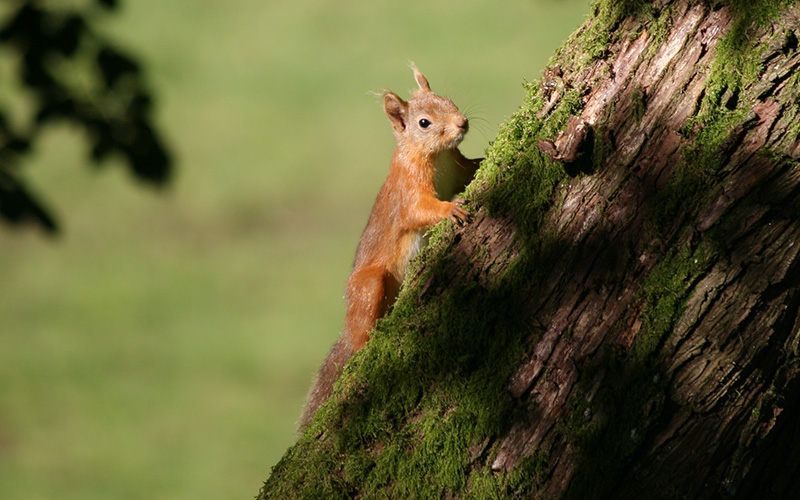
[459, 215]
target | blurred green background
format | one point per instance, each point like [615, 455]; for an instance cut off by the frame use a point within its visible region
[162, 346]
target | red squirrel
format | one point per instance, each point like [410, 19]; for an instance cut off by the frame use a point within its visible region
[427, 170]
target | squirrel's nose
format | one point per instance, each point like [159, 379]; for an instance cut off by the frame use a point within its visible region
[463, 123]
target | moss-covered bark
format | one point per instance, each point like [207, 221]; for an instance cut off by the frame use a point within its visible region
[622, 317]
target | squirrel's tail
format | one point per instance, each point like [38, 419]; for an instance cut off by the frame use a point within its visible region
[326, 377]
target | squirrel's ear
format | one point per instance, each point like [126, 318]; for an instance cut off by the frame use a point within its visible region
[396, 109]
[420, 78]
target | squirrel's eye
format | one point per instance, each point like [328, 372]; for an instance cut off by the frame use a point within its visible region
[424, 123]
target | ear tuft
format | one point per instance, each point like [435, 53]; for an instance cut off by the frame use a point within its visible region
[396, 109]
[420, 78]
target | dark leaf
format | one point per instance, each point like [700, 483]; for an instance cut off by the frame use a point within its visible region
[18, 145]
[56, 108]
[103, 143]
[18, 206]
[68, 38]
[35, 74]
[109, 4]
[140, 107]
[26, 23]
[148, 157]
[114, 65]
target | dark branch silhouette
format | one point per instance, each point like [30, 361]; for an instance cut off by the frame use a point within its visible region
[78, 76]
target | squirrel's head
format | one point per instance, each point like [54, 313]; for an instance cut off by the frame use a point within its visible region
[427, 122]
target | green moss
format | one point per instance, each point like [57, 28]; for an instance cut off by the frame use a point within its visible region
[297, 475]
[724, 111]
[665, 291]
[528, 476]
[393, 447]
[578, 426]
[748, 14]
[522, 176]
[522, 481]
[593, 39]
[737, 65]
[484, 485]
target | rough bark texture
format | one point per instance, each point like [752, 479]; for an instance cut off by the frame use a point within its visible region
[622, 317]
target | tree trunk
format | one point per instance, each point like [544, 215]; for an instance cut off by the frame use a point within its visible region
[622, 317]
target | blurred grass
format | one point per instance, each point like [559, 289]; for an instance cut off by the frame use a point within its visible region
[162, 345]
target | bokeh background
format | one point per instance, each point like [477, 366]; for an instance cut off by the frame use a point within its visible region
[162, 345]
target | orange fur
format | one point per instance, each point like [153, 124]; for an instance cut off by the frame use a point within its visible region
[427, 170]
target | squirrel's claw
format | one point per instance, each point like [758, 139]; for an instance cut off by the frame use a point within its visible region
[459, 215]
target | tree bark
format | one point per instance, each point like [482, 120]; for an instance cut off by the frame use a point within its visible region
[622, 317]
